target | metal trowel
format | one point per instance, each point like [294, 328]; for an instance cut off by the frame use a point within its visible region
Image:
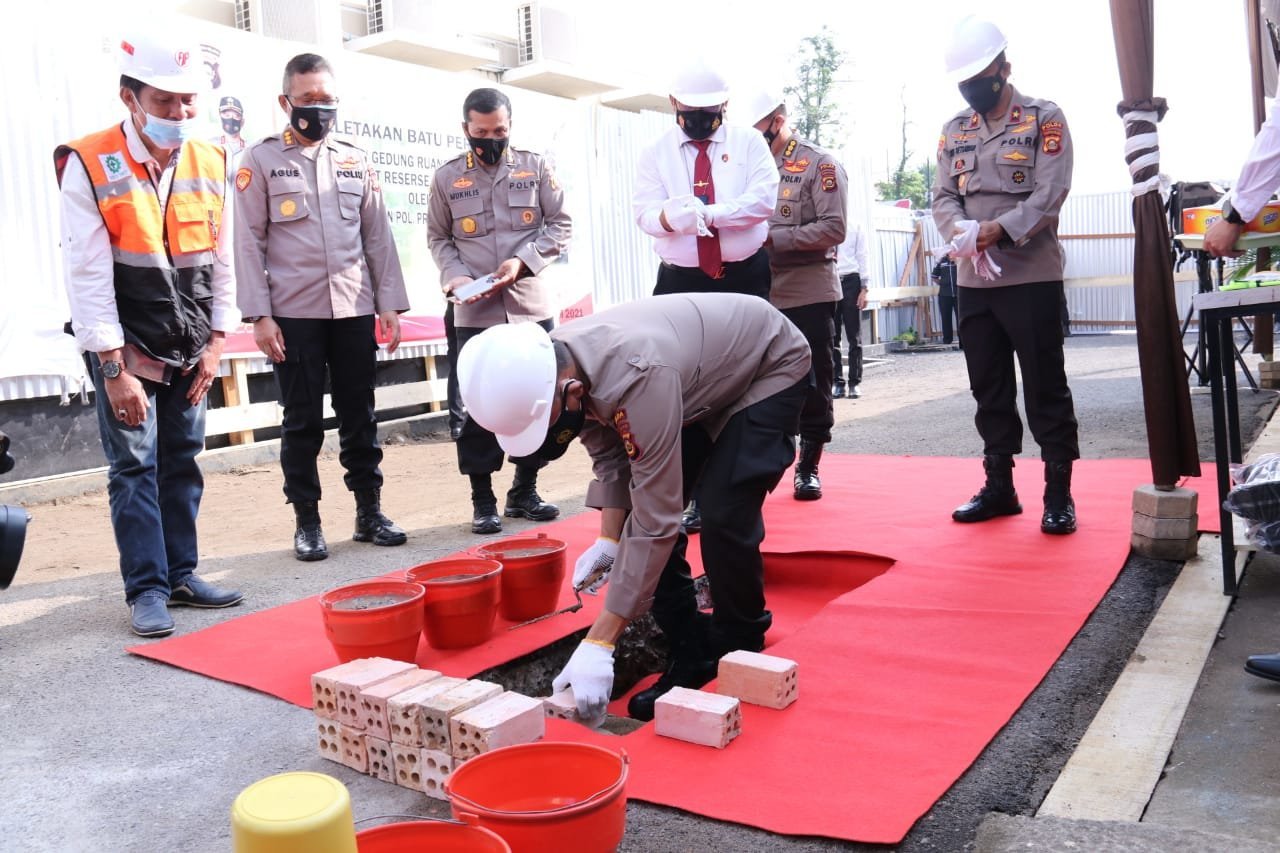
[595, 575]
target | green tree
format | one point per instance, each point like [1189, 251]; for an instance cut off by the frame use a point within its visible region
[906, 181]
[817, 62]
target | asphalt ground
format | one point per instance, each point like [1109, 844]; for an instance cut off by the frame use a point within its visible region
[103, 750]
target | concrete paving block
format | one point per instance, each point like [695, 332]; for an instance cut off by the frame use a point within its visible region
[1165, 549]
[1175, 503]
[404, 710]
[1165, 528]
[435, 768]
[708, 719]
[355, 752]
[759, 679]
[504, 720]
[338, 687]
[381, 762]
[373, 700]
[440, 709]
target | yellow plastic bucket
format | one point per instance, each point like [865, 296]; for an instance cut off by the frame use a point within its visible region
[293, 813]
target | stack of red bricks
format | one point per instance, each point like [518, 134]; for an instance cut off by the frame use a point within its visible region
[412, 726]
[715, 719]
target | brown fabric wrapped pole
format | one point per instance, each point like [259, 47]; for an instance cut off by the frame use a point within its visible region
[1166, 400]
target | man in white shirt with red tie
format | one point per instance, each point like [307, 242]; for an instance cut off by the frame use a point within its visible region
[705, 192]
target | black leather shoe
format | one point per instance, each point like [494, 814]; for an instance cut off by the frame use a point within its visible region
[524, 502]
[691, 519]
[484, 518]
[371, 524]
[195, 592]
[1264, 666]
[682, 672]
[455, 431]
[837, 390]
[855, 391]
[997, 496]
[308, 543]
[149, 617]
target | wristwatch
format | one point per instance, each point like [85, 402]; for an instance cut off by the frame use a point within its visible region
[111, 369]
[1230, 214]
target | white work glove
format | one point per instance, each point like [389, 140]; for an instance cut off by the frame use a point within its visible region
[590, 673]
[712, 213]
[684, 214]
[964, 244]
[596, 560]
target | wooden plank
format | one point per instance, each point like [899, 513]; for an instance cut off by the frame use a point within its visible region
[1120, 759]
[245, 419]
[235, 393]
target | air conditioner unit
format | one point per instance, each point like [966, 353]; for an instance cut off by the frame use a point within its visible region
[427, 17]
[545, 33]
[294, 20]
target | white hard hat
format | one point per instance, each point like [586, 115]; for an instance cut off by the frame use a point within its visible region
[975, 42]
[507, 378]
[699, 85]
[760, 104]
[169, 63]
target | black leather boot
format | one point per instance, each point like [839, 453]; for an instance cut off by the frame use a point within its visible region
[523, 500]
[807, 485]
[1059, 509]
[692, 664]
[691, 518]
[308, 539]
[997, 496]
[484, 506]
[371, 524]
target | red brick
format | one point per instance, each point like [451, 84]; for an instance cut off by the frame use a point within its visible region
[329, 686]
[381, 762]
[440, 708]
[561, 705]
[330, 739]
[759, 679]
[435, 768]
[373, 700]
[708, 719]
[504, 720]
[406, 762]
[355, 752]
[404, 710]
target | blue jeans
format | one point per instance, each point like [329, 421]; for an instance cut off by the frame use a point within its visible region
[154, 484]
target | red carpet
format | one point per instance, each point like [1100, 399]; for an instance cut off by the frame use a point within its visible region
[917, 639]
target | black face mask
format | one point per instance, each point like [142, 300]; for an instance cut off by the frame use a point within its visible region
[489, 151]
[698, 124]
[982, 93]
[313, 123]
[769, 134]
[231, 126]
[564, 430]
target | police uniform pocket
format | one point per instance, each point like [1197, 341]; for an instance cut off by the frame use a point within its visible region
[468, 217]
[525, 217]
[195, 226]
[1017, 177]
[350, 195]
[288, 201]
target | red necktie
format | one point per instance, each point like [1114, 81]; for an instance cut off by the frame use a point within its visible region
[705, 189]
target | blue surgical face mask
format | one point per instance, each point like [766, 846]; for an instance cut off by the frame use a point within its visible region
[169, 133]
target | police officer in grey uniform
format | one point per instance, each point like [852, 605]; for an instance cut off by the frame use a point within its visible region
[1006, 164]
[496, 210]
[668, 391]
[315, 261]
[807, 226]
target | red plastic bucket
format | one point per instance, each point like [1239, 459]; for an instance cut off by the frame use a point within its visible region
[375, 618]
[435, 835]
[545, 796]
[461, 603]
[532, 572]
